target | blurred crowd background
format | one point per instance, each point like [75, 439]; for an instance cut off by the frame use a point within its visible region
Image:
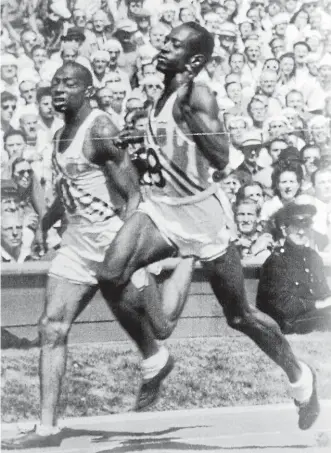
[270, 73]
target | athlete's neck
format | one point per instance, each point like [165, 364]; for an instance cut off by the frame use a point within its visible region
[76, 118]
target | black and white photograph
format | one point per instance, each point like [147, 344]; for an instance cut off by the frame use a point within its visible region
[165, 226]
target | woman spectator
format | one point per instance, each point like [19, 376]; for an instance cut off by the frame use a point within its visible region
[286, 184]
[231, 8]
[186, 12]
[299, 20]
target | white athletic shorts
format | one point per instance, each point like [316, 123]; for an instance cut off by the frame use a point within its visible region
[83, 248]
[200, 227]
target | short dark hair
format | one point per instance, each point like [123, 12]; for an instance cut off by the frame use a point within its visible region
[6, 96]
[204, 40]
[138, 115]
[13, 132]
[282, 167]
[84, 74]
[302, 43]
[43, 92]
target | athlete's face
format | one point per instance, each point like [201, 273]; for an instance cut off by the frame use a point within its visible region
[176, 51]
[68, 90]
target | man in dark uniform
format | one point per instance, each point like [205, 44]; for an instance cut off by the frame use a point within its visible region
[293, 288]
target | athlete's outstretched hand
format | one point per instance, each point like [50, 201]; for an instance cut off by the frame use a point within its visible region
[129, 136]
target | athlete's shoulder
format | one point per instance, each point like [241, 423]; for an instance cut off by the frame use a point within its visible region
[203, 99]
[103, 127]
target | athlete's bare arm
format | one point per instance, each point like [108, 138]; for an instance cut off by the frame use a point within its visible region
[116, 162]
[200, 112]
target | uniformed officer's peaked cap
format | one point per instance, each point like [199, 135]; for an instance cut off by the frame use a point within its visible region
[295, 214]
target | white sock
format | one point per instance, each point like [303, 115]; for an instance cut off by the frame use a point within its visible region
[45, 430]
[152, 365]
[302, 389]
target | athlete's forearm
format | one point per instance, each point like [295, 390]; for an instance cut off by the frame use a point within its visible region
[214, 146]
[54, 213]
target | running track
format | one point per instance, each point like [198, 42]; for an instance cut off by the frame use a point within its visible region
[266, 429]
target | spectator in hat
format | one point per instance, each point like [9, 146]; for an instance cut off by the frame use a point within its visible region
[287, 179]
[99, 62]
[253, 66]
[227, 36]
[80, 41]
[9, 71]
[293, 288]
[89, 44]
[125, 32]
[143, 21]
[251, 145]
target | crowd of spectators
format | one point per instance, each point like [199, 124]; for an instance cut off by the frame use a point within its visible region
[270, 73]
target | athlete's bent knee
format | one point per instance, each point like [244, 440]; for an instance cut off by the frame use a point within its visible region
[53, 332]
[240, 322]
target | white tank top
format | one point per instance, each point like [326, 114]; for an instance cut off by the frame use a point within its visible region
[81, 185]
[181, 170]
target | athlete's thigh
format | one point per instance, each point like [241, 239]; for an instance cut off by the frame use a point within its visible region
[137, 244]
[65, 300]
[227, 280]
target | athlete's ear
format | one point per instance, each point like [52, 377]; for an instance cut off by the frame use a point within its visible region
[196, 62]
[90, 91]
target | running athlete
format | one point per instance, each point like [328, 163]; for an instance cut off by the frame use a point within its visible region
[93, 177]
[182, 213]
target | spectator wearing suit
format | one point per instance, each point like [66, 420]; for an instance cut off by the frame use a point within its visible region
[293, 288]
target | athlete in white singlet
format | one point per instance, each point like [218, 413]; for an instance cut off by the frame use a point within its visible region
[182, 214]
[95, 180]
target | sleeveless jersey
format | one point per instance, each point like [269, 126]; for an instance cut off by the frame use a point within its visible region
[80, 184]
[177, 168]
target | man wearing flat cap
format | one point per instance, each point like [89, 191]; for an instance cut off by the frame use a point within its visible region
[251, 146]
[293, 288]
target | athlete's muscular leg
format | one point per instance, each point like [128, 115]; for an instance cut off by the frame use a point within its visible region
[64, 301]
[136, 245]
[227, 280]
